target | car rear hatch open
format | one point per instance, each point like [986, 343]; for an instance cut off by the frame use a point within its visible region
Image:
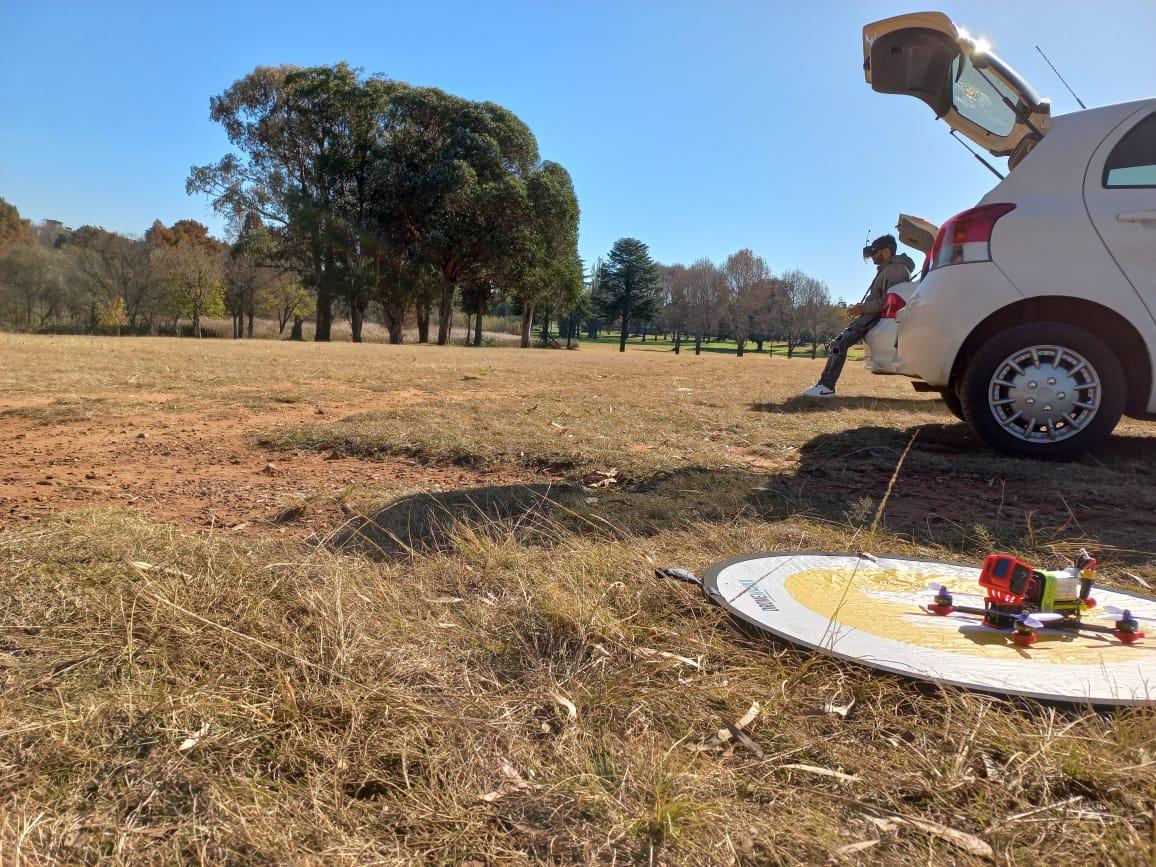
[925, 55]
[916, 233]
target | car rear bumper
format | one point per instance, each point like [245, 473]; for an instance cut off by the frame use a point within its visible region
[880, 341]
[946, 307]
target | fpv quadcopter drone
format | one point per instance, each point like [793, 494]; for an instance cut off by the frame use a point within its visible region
[1026, 599]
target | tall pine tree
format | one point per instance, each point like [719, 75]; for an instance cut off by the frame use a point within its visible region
[627, 285]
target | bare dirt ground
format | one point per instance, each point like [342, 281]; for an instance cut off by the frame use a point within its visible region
[197, 469]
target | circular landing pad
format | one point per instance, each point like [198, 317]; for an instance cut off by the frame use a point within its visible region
[874, 613]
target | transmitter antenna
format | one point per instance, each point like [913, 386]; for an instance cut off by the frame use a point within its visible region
[1060, 77]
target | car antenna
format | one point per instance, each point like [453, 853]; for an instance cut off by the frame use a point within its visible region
[1060, 77]
[986, 164]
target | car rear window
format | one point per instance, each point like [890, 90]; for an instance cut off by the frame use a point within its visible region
[1132, 162]
[982, 98]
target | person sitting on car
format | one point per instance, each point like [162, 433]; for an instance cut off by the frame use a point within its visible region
[891, 268]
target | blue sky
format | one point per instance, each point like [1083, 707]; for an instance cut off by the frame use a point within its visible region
[700, 128]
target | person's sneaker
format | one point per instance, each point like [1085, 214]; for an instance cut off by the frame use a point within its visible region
[819, 390]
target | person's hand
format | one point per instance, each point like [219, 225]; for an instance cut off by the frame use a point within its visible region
[854, 311]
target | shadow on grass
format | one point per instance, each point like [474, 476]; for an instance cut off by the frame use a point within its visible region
[950, 491]
[428, 522]
[798, 404]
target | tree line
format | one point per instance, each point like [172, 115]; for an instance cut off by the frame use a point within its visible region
[352, 197]
[740, 300]
[359, 193]
[94, 281]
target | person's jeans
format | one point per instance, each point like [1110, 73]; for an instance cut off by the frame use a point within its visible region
[837, 351]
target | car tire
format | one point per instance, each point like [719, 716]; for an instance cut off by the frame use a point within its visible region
[1043, 390]
[952, 402]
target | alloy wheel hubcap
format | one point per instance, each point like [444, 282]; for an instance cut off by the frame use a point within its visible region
[1044, 394]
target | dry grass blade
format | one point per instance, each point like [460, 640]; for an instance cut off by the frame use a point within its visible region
[891, 482]
[854, 848]
[960, 839]
[195, 738]
[514, 782]
[651, 653]
[822, 772]
[142, 566]
[1142, 582]
[1044, 809]
[571, 709]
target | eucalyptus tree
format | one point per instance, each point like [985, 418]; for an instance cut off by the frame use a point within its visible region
[291, 128]
[456, 186]
[363, 180]
[547, 273]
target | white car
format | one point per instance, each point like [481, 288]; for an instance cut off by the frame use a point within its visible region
[1036, 312]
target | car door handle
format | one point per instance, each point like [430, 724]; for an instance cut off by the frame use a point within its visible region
[1137, 217]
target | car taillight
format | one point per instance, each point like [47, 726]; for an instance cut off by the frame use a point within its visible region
[966, 237]
[892, 304]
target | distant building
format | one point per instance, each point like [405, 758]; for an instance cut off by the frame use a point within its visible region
[50, 231]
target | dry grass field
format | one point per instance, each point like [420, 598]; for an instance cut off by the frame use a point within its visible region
[271, 603]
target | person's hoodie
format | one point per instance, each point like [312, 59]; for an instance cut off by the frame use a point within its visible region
[898, 270]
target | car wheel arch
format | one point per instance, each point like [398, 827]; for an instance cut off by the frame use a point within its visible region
[1116, 331]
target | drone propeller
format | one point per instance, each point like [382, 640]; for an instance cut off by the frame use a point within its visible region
[1124, 614]
[936, 586]
[1039, 619]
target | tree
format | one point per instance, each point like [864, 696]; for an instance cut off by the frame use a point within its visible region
[404, 283]
[194, 276]
[627, 286]
[676, 312]
[546, 270]
[13, 229]
[796, 287]
[32, 286]
[748, 284]
[114, 266]
[705, 289]
[182, 232]
[814, 312]
[291, 129]
[359, 180]
[455, 186]
[251, 275]
[287, 299]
